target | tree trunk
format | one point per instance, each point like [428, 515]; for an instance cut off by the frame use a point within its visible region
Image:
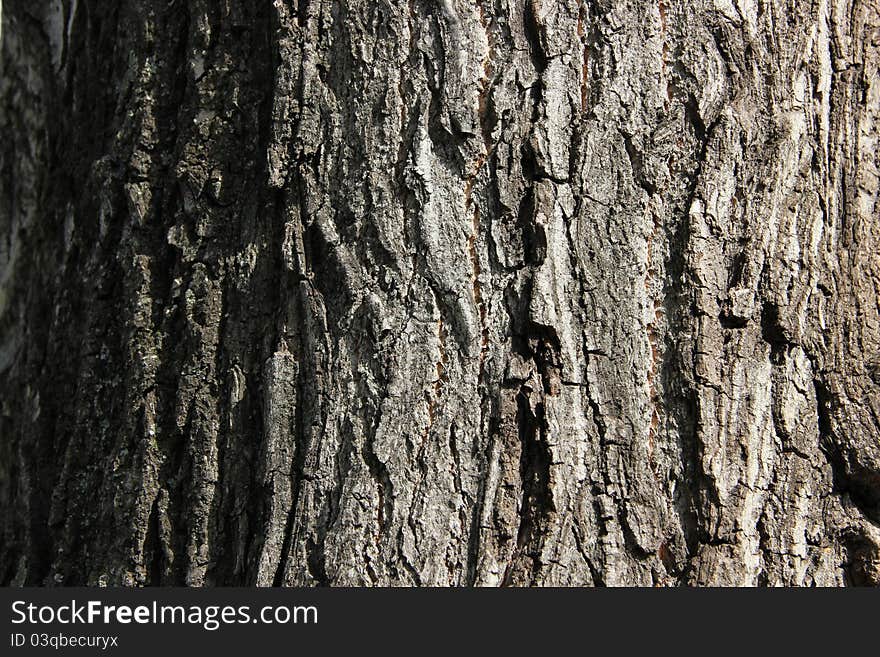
[502, 292]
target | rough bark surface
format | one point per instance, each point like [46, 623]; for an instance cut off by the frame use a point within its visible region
[437, 292]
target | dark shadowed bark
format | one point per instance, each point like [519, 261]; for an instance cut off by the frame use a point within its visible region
[438, 292]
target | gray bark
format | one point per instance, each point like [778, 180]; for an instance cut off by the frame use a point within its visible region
[503, 292]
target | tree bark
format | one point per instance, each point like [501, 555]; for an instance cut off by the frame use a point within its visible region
[436, 292]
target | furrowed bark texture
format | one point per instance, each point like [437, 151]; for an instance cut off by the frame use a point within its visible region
[436, 292]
